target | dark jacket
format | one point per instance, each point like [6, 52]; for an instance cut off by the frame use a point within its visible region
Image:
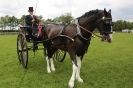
[28, 21]
[33, 26]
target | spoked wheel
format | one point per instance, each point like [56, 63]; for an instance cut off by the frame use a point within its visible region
[22, 50]
[59, 55]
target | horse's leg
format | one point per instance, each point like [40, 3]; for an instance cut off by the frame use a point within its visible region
[74, 67]
[48, 62]
[52, 51]
[78, 70]
[52, 64]
[48, 65]
[72, 79]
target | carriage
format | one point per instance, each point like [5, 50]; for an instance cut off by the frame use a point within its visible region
[74, 38]
[25, 43]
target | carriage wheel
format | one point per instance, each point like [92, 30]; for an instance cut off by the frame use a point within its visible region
[19, 48]
[59, 55]
[22, 50]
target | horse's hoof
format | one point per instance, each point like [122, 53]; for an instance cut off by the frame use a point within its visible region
[71, 84]
[49, 71]
[52, 69]
[80, 80]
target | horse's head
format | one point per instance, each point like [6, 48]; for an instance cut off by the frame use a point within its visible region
[104, 24]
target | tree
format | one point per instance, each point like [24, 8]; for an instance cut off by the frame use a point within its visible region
[8, 21]
[49, 21]
[22, 20]
[129, 25]
[4, 21]
[64, 19]
[40, 17]
[13, 22]
[121, 24]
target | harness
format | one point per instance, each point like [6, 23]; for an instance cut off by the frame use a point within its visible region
[78, 29]
[60, 34]
[75, 21]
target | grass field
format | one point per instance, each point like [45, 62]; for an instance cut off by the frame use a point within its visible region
[104, 66]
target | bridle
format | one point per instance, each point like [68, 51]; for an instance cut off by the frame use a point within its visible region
[92, 33]
[75, 21]
[107, 21]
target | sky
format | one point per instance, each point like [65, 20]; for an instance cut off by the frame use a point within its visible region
[121, 9]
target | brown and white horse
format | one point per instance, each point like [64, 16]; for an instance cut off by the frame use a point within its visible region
[75, 39]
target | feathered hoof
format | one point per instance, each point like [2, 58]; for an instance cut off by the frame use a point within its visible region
[70, 84]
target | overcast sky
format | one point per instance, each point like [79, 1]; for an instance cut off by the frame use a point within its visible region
[121, 9]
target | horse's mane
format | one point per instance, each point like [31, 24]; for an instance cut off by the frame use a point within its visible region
[90, 13]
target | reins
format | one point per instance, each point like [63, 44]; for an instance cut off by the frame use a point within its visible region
[89, 31]
[80, 27]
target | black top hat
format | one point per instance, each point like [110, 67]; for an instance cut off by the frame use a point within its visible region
[30, 9]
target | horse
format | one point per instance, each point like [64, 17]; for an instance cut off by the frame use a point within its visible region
[75, 39]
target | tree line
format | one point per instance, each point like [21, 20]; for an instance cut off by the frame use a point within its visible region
[119, 25]
[12, 21]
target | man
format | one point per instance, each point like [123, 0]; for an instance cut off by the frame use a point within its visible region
[32, 22]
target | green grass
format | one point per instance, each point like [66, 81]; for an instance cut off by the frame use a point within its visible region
[104, 66]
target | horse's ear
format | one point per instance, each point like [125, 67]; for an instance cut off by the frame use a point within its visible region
[109, 11]
[104, 9]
